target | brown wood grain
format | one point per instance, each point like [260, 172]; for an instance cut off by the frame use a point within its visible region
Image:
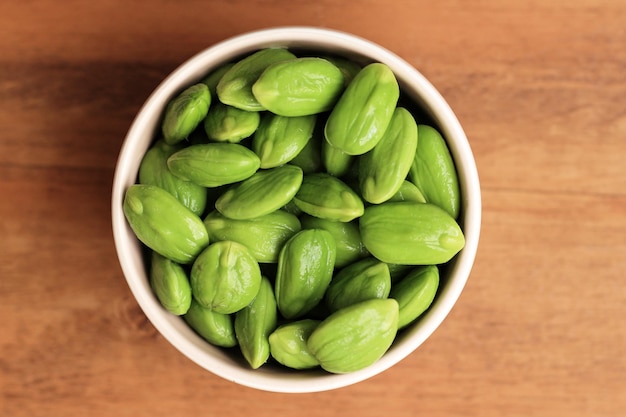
[540, 88]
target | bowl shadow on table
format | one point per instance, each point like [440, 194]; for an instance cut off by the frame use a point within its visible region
[95, 104]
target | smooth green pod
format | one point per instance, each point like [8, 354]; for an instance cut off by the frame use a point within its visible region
[410, 233]
[229, 124]
[154, 171]
[185, 112]
[361, 116]
[336, 162]
[322, 195]
[263, 235]
[299, 87]
[366, 279]
[214, 164]
[347, 238]
[383, 169]
[355, 337]
[170, 284]
[279, 139]
[235, 86]
[216, 328]
[415, 293]
[164, 224]
[288, 344]
[254, 324]
[264, 192]
[305, 268]
[434, 173]
[213, 78]
[408, 192]
[225, 277]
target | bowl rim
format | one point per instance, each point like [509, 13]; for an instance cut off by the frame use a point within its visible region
[135, 142]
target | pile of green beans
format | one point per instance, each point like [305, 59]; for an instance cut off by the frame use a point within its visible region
[293, 208]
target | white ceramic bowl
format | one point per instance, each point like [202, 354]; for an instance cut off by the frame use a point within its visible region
[142, 132]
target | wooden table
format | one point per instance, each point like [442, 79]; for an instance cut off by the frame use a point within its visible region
[540, 88]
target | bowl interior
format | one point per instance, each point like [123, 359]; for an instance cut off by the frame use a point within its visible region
[229, 364]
